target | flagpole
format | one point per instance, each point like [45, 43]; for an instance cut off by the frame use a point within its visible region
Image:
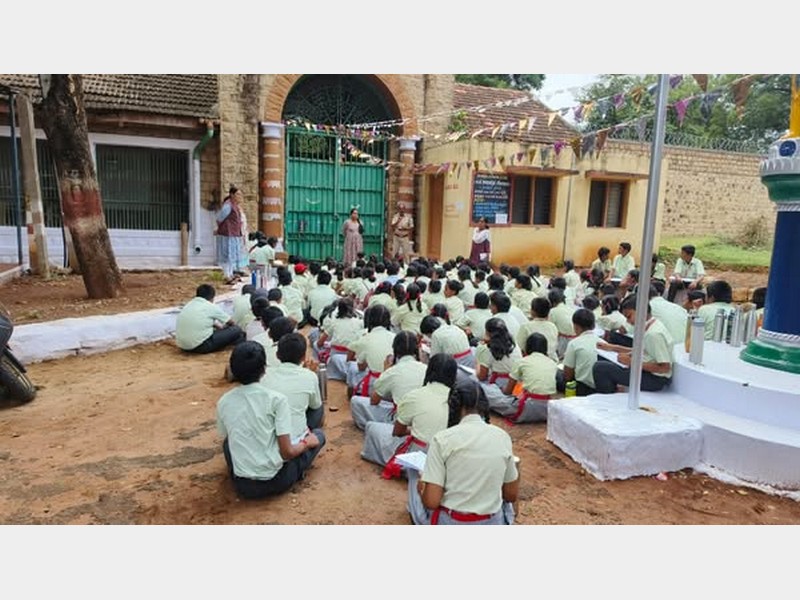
[651, 209]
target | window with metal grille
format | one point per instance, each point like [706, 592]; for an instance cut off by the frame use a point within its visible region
[607, 204]
[532, 200]
[47, 182]
[143, 188]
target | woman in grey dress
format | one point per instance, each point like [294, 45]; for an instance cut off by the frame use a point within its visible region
[352, 231]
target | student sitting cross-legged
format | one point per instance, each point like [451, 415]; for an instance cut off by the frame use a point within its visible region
[256, 425]
[495, 357]
[581, 354]
[656, 362]
[298, 383]
[367, 355]
[421, 413]
[203, 327]
[470, 475]
[539, 375]
[402, 373]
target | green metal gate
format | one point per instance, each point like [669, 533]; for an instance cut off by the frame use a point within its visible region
[326, 176]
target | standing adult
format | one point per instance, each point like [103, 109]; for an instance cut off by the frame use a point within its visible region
[229, 233]
[402, 228]
[481, 250]
[352, 230]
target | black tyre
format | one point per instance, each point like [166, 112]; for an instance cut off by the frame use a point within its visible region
[15, 387]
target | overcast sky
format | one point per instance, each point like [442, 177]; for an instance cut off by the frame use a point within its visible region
[553, 92]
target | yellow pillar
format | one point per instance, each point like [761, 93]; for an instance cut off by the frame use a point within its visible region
[272, 180]
[794, 112]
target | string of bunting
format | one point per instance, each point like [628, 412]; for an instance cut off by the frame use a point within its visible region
[581, 145]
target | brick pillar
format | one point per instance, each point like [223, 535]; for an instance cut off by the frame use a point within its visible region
[405, 187]
[272, 180]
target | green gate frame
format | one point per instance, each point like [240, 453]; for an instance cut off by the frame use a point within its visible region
[327, 175]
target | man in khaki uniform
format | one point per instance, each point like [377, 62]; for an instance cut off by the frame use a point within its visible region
[402, 229]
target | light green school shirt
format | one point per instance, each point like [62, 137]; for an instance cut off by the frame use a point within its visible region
[405, 375]
[195, 322]
[292, 299]
[658, 345]
[373, 348]
[252, 418]
[572, 278]
[301, 388]
[270, 348]
[613, 321]
[343, 332]
[691, 270]
[522, 298]
[449, 339]
[432, 300]
[483, 356]
[547, 328]
[455, 308]
[320, 297]
[623, 264]
[604, 265]
[660, 271]
[537, 372]
[580, 355]
[672, 315]
[471, 461]
[561, 316]
[408, 318]
[263, 255]
[242, 311]
[475, 319]
[424, 410]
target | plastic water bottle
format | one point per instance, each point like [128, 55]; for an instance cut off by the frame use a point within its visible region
[571, 389]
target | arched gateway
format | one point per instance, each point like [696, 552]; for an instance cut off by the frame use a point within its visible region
[330, 169]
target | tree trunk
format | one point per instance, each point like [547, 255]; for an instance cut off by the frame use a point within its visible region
[64, 120]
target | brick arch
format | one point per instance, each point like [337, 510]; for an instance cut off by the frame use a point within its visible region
[391, 86]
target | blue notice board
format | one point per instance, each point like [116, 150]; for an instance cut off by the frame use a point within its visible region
[491, 196]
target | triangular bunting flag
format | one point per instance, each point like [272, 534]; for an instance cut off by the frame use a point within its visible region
[522, 123]
[587, 145]
[578, 113]
[544, 155]
[652, 88]
[636, 96]
[641, 128]
[603, 106]
[680, 109]
[707, 104]
[477, 133]
[674, 81]
[587, 109]
[531, 154]
[619, 101]
[531, 121]
[741, 89]
[458, 171]
[520, 155]
[501, 160]
[503, 128]
[495, 130]
[576, 146]
[476, 165]
[702, 81]
[602, 136]
[558, 146]
[550, 118]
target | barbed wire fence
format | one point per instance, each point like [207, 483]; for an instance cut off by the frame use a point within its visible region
[687, 140]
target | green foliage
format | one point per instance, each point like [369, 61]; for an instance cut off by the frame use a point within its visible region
[517, 82]
[754, 234]
[716, 253]
[765, 116]
[458, 122]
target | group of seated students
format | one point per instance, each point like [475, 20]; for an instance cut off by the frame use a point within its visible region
[428, 351]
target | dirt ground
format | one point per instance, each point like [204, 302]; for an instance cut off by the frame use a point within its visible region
[128, 437]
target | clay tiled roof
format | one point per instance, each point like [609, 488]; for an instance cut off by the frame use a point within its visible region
[180, 95]
[467, 96]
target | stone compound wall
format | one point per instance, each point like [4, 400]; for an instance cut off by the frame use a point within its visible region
[713, 193]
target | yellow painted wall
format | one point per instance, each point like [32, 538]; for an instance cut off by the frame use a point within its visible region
[543, 245]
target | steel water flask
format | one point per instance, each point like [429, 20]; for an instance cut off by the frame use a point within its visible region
[736, 327]
[719, 325]
[698, 338]
[750, 326]
[322, 375]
